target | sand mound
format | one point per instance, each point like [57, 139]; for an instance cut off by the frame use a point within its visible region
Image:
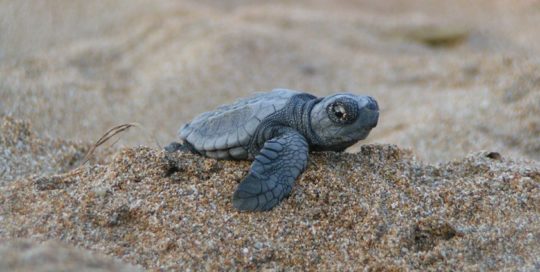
[379, 208]
[22, 255]
[23, 154]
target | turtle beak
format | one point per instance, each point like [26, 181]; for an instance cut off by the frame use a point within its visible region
[369, 112]
[374, 122]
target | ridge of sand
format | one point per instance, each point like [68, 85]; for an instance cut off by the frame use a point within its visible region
[25, 255]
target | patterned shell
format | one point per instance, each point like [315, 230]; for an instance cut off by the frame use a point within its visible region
[230, 127]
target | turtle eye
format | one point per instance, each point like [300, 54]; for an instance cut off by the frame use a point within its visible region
[339, 112]
[343, 111]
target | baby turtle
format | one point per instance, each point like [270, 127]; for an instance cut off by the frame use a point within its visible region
[277, 129]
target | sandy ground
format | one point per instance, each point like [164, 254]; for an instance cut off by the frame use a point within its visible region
[378, 209]
[23, 255]
[452, 78]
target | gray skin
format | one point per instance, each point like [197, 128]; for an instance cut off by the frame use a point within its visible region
[277, 129]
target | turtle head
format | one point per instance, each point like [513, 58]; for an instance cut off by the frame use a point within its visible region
[343, 119]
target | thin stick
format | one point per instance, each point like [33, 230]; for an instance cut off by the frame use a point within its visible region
[110, 134]
[106, 137]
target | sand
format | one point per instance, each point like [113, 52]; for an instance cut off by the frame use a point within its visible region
[24, 255]
[449, 179]
[377, 209]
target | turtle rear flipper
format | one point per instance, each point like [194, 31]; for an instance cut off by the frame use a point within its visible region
[182, 147]
[273, 173]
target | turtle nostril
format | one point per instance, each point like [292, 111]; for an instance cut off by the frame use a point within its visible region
[372, 104]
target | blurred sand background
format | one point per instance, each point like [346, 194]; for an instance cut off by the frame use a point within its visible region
[452, 77]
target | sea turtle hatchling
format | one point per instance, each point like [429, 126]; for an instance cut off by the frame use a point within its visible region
[277, 129]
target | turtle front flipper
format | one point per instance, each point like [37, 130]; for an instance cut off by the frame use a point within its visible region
[273, 173]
